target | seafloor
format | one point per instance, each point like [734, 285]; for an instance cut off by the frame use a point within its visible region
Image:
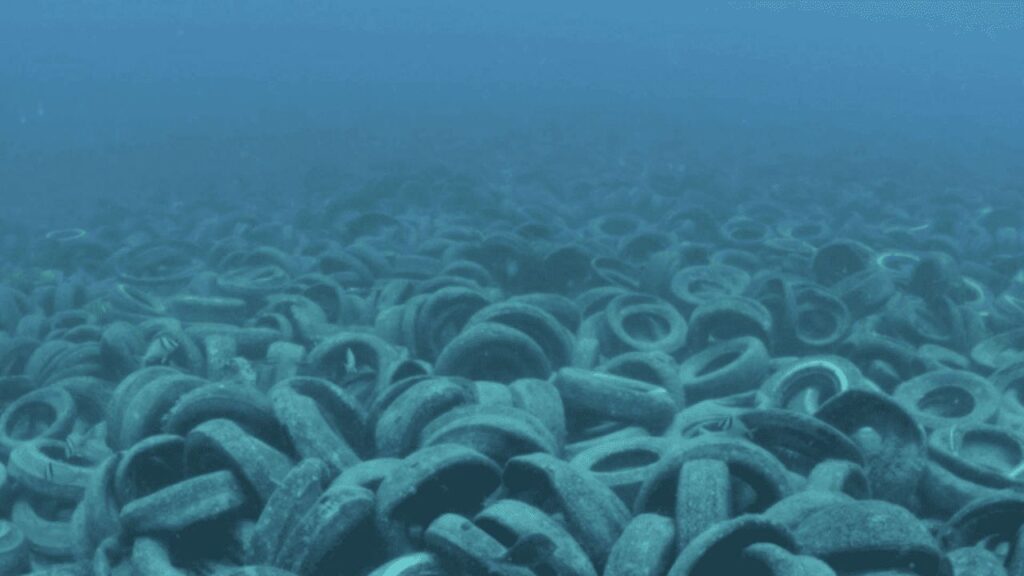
[627, 373]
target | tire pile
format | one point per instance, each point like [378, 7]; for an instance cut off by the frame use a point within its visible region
[683, 386]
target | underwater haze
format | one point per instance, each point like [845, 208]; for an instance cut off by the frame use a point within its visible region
[454, 288]
[121, 99]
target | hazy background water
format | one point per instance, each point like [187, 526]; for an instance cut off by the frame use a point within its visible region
[124, 99]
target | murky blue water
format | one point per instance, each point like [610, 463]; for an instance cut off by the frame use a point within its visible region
[533, 288]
